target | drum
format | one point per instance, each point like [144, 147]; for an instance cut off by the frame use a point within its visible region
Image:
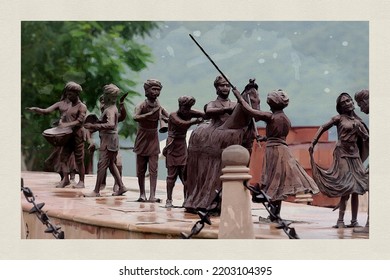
[57, 136]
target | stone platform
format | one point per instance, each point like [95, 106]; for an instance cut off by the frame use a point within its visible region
[109, 217]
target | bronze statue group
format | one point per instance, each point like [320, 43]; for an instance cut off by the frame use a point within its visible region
[221, 123]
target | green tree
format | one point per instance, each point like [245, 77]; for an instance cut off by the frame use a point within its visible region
[90, 53]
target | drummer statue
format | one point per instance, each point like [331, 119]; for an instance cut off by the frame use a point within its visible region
[73, 118]
[57, 137]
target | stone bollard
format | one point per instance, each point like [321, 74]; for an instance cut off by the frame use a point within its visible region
[236, 217]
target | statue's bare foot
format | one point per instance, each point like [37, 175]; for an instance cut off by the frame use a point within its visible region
[120, 191]
[353, 225]
[339, 225]
[142, 198]
[63, 184]
[80, 185]
[91, 194]
[168, 203]
[154, 199]
[115, 188]
[102, 187]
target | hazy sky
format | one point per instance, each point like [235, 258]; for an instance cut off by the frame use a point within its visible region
[312, 61]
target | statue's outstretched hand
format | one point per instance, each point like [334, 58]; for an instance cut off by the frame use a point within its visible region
[32, 109]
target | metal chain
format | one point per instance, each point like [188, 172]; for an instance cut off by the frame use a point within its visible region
[198, 226]
[42, 216]
[259, 196]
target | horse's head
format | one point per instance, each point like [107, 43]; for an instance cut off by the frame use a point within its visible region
[251, 96]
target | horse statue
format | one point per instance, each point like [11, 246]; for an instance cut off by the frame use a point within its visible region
[203, 185]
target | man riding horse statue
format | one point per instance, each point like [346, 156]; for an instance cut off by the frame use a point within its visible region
[229, 125]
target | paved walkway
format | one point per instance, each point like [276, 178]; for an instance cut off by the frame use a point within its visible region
[153, 220]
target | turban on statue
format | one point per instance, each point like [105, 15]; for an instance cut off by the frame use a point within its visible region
[278, 98]
[186, 101]
[111, 90]
[219, 80]
[72, 86]
[361, 95]
[151, 83]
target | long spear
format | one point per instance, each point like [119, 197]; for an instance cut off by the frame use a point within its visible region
[212, 62]
[233, 87]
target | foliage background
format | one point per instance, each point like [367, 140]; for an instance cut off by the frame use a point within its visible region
[90, 53]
